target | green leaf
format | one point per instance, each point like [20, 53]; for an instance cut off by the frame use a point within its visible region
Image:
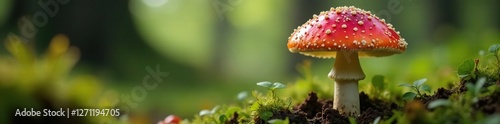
[275, 121]
[463, 75]
[246, 115]
[265, 84]
[378, 82]
[278, 86]
[409, 96]
[470, 88]
[215, 109]
[419, 82]
[479, 84]
[205, 112]
[405, 85]
[352, 120]
[466, 68]
[493, 119]
[426, 88]
[255, 106]
[494, 48]
[438, 103]
[471, 92]
[222, 118]
[266, 115]
[279, 121]
[232, 110]
[377, 120]
[242, 95]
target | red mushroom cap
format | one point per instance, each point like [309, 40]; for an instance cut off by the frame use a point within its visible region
[346, 29]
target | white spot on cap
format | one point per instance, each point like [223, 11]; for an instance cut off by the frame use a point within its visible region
[363, 42]
[360, 23]
[402, 43]
[344, 26]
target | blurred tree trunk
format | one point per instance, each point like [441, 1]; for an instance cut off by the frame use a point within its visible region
[303, 10]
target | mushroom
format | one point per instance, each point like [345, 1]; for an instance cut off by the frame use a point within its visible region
[346, 33]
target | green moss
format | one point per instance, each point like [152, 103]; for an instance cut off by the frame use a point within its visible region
[268, 103]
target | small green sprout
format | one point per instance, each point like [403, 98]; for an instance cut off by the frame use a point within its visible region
[438, 103]
[279, 121]
[271, 86]
[495, 50]
[266, 115]
[352, 120]
[222, 118]
[377, 120]
[474, 91]
[213, 114]
[417, 86]
[242, 95]
[265, 84]
[465, 70]
[209, 112]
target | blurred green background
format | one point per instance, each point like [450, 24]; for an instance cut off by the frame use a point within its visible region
[213, 49]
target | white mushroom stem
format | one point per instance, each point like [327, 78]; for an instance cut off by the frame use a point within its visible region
[346, 72]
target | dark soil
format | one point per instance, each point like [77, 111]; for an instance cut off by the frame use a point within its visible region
[293, 116]
[489, 104]
[373, 108]
[314, 111]
[234, 119]
[441, 93]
